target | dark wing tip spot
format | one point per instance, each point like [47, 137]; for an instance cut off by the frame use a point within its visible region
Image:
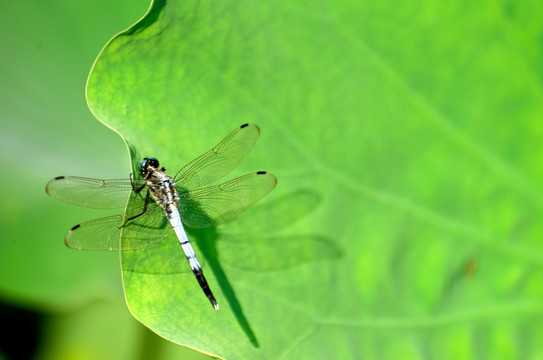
[60, 177]
[75, 227]
[261, 172]
[244, 125]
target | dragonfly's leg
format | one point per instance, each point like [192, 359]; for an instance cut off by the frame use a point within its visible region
[142, 210]
[136, 190]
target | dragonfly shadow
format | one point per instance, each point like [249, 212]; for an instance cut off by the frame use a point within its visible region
[254, 241]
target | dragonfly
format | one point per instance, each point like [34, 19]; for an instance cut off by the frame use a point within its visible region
[155, 198]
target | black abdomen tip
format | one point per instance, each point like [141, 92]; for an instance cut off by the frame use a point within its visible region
[59, 177]
[244, 125]
[261, 172]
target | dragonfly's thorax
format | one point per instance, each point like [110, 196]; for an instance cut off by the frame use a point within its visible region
[162, 188]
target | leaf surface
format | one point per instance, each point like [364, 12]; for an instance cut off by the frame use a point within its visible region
[406, 139]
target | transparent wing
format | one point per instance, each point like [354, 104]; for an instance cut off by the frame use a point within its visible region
[105, 233]
[99, 234]
[215, 205]
[220, 160]
[93, 193]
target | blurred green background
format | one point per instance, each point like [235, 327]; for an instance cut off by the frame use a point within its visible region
[416, 126]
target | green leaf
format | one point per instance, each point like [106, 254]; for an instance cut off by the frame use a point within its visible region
[406, 139]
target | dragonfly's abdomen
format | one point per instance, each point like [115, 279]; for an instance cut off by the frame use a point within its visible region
[175, 220]
[162, 187]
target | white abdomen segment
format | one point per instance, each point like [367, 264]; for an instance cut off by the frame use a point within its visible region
[175, 220]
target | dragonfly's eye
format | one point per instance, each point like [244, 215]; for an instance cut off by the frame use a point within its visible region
[147, 163]
[144, 164]
[153, 162]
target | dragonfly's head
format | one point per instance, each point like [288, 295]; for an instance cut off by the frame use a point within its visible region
[148, 164]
